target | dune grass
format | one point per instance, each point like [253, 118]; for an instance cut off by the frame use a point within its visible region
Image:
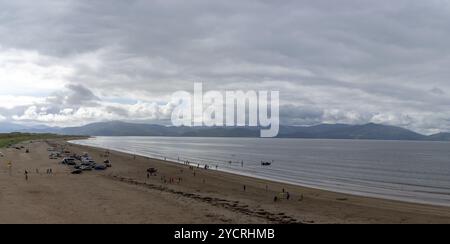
[14, 138]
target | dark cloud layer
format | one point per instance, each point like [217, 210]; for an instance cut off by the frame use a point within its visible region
[351, 61]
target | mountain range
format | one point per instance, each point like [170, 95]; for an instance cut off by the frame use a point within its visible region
[369, 131]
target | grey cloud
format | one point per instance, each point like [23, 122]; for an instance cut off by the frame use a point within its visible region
[352, 61]
[301, 115]
[437, 91]
[73, 97]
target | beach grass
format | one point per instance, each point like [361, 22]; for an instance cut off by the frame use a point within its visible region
[14, 138]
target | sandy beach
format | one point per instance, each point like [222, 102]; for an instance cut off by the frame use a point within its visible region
[177, 194]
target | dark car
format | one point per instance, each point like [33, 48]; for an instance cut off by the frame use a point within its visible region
[100, 167]
[77, 172]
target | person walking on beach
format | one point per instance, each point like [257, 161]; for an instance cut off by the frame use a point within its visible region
[245, 187]
[10, 168]
[26, 175]
[288, 196]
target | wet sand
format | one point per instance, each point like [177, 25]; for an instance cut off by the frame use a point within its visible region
[124, 194]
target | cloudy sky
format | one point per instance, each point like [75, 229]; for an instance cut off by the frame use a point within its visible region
[71, 62]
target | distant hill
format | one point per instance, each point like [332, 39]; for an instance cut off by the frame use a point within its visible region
[9, 127]
[440, 137]
[369, 131]
[117, 128]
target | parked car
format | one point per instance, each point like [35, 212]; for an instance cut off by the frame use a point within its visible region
[68, 161]
[100, 167]
[77, 172]
[85, 168]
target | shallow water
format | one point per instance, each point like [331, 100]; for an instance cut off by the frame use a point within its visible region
[403, 170]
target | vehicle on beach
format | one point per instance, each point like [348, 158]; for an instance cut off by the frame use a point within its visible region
[85, 168]
[77, 172]
[87, 162]
[54, 155]
[68, 161]
[152, 171]
[100, 167]
[84, 163]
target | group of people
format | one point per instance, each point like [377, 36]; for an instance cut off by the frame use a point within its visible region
[283, 195]
[206, 166]
[171, 180]
[286, 195]
[49, 171]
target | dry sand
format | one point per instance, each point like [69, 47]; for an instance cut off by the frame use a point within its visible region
[123, 194]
